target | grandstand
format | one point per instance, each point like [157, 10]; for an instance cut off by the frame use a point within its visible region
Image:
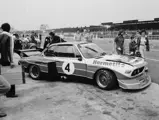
[110, 29]
[136, 25]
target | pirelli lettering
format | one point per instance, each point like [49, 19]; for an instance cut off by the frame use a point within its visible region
[96, 62]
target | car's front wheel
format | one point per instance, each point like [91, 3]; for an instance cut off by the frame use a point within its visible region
[34, 72]
[106, 79]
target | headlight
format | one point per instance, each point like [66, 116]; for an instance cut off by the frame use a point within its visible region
[128, 71]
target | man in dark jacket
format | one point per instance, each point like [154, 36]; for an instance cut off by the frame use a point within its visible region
[6, 46]
[132, 46]
[17, 42]
[53, 39]
[47, 41]
[119, 43]
[6, 50]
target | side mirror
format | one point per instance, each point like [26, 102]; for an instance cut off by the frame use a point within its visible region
[80, 58]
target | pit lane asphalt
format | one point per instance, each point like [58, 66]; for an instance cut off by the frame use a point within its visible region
[78, 100]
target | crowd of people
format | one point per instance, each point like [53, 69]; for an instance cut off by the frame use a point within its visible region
[84, 35]
[138, 44]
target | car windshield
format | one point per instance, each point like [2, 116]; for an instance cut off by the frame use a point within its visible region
[91, 50]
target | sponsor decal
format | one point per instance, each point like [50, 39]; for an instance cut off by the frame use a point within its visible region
[118, 64]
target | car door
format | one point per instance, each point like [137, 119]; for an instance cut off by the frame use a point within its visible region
[68, 60]
[71, 62]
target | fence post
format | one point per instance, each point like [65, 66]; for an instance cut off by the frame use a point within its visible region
[23, 74]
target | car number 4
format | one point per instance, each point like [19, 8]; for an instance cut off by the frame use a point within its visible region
[68, 68]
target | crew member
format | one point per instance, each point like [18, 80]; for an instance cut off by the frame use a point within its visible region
[143, 43]
[6, 46]
[54, 38]
[119, 43]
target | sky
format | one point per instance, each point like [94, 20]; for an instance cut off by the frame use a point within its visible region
[30, 14]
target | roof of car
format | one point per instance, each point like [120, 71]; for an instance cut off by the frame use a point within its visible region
[73, 43]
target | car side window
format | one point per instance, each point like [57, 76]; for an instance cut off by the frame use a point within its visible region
[65, 51]
[50, 51]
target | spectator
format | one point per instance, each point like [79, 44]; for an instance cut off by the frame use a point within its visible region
[4, 88]
[78, 36]
[119, 43]
[17, 42]
[47, 41]
[6, 46]
[62, 35]
[33, 38]
[40, 37]
[143, 43]
[26, 38]
[87, 36]
[132, 46]
[37, 39]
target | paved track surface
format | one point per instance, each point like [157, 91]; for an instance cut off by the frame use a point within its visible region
[80, 99]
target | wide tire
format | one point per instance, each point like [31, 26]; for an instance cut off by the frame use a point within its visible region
[106, 79]
[34, 72]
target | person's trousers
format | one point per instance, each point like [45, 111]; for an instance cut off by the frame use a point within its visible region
[4, 85]
[142, 51]
[119, 52]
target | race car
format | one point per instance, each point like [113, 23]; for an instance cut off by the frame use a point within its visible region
[87, 60]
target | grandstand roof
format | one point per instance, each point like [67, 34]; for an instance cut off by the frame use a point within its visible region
[135, 24]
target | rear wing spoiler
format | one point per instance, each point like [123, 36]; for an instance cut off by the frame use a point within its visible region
[28, 52]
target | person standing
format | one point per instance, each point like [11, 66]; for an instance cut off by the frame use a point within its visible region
[46, 42]
[78, 36]
[119, 43]
[87, 36]
[17, 42]
[62, 35]
[54, 39]
[143, 43]
[132, 46]
[6, 46]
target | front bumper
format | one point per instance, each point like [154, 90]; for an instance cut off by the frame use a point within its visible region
[136, 83]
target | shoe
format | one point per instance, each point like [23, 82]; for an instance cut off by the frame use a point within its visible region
[11, 96]
[11, 93]
[2, 114]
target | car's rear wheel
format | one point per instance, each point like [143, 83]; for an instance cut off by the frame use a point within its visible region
[34, 72]
[106, 79]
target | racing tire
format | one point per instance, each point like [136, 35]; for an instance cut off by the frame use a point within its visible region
[34, 72]
[106, 79]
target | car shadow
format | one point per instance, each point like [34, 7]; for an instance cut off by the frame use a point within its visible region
[84, 81]
[78, 80]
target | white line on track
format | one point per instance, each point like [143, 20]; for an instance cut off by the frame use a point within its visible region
[152, 59]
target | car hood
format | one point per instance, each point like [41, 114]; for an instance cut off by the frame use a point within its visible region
[122, 58]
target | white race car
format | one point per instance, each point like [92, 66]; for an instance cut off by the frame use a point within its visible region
[90, 61]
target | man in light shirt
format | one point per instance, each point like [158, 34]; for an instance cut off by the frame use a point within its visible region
[62, 35]
[78, 36]
[87, 36]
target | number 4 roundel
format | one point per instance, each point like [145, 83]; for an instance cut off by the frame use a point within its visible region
[68, 68]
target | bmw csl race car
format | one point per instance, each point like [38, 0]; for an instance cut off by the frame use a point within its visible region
[90, 61]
